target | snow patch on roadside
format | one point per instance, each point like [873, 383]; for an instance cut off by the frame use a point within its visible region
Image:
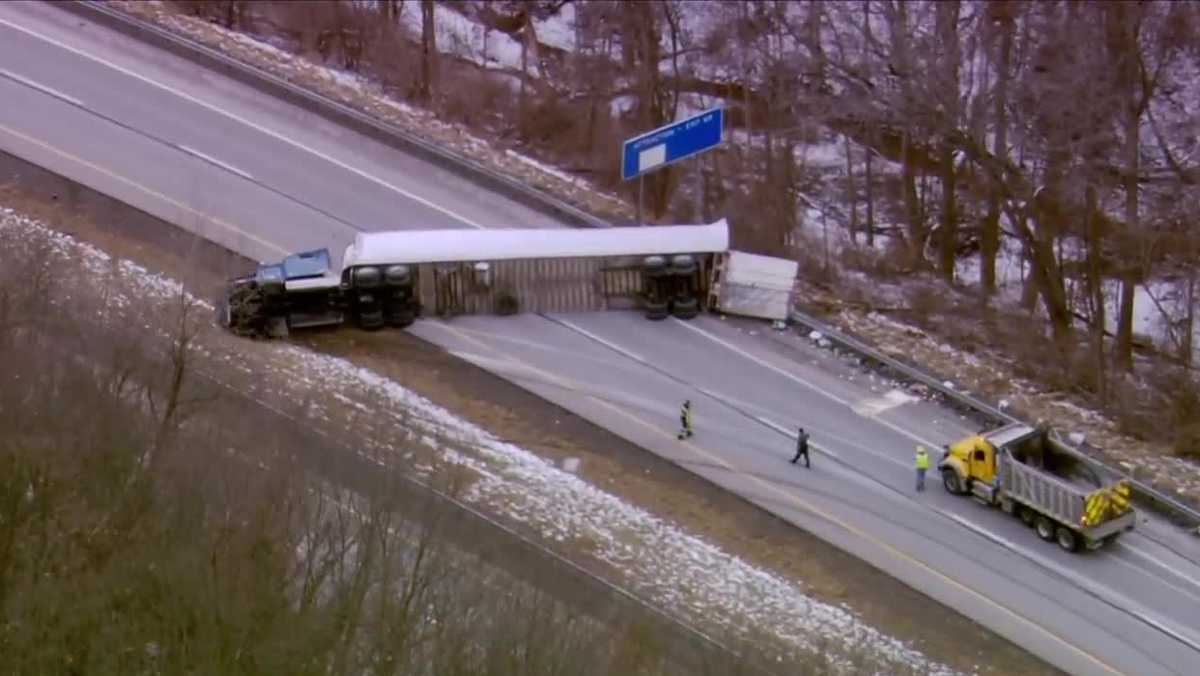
[64, 248]
[672, 568]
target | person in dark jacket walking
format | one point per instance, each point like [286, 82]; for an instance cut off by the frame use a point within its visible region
[685, 421]
[801, 447]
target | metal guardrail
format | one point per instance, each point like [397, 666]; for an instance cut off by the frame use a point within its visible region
[1161, 502]
[403, 140]
[332, 110]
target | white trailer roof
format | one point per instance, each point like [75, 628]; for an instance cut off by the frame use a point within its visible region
[440, 246]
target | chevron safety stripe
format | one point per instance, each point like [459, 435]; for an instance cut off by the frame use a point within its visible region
[1106, 502]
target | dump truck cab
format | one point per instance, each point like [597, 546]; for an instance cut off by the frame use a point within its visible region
[969, 460]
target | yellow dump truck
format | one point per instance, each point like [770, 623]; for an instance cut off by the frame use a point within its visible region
[1028, 473]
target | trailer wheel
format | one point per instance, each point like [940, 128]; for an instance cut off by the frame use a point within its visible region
[1027, 515]
[951, 482]
[656, 310]
[402, 318]
[685, 307]
[1044, 527]
[370, 320]
[1067, 539]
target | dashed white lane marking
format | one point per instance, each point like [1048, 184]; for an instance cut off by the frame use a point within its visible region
[212, 160]
[262, 130]
[41, 87]
[807, 385]
[231, 227]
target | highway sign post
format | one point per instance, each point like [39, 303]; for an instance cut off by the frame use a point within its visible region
[669, 144]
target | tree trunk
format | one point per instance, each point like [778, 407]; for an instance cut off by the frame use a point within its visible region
[990, 237]
[429, 54]
[1189, 327]
[1129, 279]
[912, 204]
[851, 192]
[949, 216]
[1126, 22]
[949, 56]
[869, 180]
[1095, 280]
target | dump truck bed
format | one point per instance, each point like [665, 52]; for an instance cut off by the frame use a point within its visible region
[1041, 490]
[1054, 496]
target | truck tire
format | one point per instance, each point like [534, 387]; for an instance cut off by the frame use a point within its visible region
[243, 310]
[402, 318]
[656, 310]
[277, 327]
[1026, 515]
[1045, 528]
[1067, 539]
[951, 482]
[685, 307]
[370, 320]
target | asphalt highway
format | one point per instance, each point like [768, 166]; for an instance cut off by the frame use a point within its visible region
[263, 178]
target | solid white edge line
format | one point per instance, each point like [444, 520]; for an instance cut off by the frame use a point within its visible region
[212, 160]
[610, 345]
[1124, 603]
[263, 130]
[41, 87]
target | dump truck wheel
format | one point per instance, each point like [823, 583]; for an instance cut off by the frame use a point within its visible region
[1044, 527]
[951, 482]
[1067, 539]
[1026, 515]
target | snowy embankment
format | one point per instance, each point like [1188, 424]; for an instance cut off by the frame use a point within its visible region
[668, 567]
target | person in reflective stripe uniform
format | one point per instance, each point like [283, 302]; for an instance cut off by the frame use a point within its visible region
[922, 467]
[685, 421]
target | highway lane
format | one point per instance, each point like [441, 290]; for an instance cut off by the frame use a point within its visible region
[862, 472]
[84, 119]
[266, 143]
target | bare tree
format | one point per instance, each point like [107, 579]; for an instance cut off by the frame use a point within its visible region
[1002, 17]
[427, 84]
[948, 85]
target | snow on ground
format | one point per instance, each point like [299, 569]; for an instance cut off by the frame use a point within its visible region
[673, 569]
[457, 34]
[670, 568]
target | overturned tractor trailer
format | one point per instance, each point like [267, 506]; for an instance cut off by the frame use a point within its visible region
[392, 278]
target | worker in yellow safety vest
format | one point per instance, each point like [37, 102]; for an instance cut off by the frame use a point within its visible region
[922, 467]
